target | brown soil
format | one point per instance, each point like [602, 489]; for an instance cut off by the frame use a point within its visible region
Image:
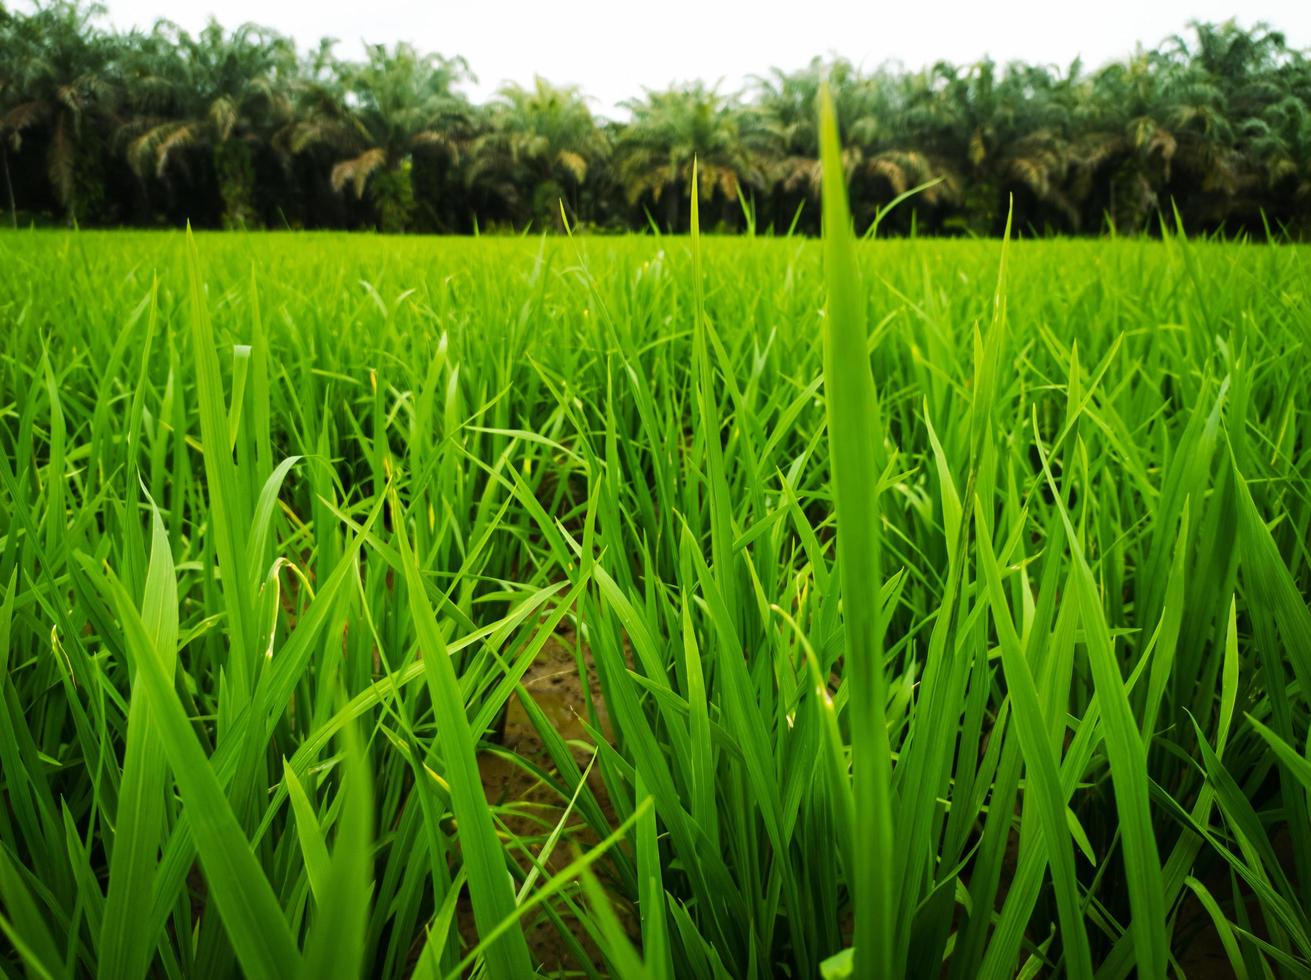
[531, 808]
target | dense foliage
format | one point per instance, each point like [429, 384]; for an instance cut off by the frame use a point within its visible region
[1015, 678]
[239, 129]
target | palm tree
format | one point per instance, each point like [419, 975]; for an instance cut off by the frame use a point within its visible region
[1006, 135]
[1220, 85]
[879, 157]
[1277, 139]
[59, 81]
[1215, 122]
[539, 143]
[393, 105]
[8, 97]
[1125, 150]
[224, 93]
[670, 129]
[783, 103]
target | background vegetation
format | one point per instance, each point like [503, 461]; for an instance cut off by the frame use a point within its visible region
[237, 128]
[266, 492]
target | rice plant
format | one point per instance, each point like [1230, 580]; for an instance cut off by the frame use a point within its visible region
[916, 608]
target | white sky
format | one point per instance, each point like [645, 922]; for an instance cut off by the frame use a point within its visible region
[614, 49]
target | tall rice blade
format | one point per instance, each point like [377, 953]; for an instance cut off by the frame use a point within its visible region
[313, 848]
[855, 433]
[490, 886]
[1295, 763]
[1269, 578]
[1043, 789]
[721, 531]
[553, 886]
[337, 937]
[228, 512]
[1224, 931]
[56, 485]
[1127, 756]
[246, 903]
[989, 351]
[623, 958]
[260, 382]
[126, 940]
[24, 925]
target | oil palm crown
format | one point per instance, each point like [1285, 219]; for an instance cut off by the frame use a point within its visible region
[671, 128]
[1279, 140]
[59, 73]
[542, 138]
[391, 105]
[997, 128]
[218, 91]
[878, 156]
[1229, 52]
[783, 104]
[1223, 84]
[1129, 103]
[1034, 109]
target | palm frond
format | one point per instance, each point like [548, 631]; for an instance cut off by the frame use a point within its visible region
[223, 116]
[179, 137]
[357, 170]
[25, 115]
[574, 163]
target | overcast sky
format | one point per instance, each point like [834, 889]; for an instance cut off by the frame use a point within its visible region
[613, 49]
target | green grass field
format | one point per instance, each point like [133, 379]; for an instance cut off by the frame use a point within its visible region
[286, 520]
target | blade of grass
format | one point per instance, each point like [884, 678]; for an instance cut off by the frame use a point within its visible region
[1126, 753]
[490, 887]
[246, 904]
[126, 937]
[855, 444]
[335, 946]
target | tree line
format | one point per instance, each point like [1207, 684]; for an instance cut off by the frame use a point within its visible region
[240, 129]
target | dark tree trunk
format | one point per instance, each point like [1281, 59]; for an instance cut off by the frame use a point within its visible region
[9, 185]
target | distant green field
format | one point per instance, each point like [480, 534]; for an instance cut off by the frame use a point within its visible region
[286, 519]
